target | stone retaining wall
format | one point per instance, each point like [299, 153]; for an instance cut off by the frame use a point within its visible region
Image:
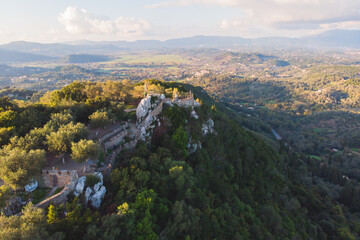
[116, 140]
[130, 145]
[121, 128]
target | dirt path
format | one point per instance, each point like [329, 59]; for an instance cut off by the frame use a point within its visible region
[51, 192]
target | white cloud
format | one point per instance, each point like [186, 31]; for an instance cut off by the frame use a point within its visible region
[221, 3]
[233, 23]
[282, 14]
[348, 25]
[80, 21]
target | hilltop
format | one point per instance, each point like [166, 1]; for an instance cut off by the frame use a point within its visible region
[195, 173]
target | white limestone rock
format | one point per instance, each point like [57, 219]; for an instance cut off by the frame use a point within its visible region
[88, 193]
[143, 108]
[98, 197]
[80, 186]
[148, 120]
[211, 125]
[193, 146]
[143, 131]
[98, 186]
[208, 127]
[194, 114]
[100, 176]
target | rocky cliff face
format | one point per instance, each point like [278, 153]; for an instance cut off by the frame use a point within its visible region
[143, 108]
[147, 105]
[146, 113]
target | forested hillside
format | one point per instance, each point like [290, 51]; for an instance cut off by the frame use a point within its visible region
[232, 186]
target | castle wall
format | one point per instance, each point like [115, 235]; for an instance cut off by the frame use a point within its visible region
[58, 178]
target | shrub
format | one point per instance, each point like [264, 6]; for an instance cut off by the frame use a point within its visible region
[91, 180]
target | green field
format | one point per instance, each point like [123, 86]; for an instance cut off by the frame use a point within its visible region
[147, 58]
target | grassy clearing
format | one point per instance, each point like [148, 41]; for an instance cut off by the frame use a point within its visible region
[319, 130]
[315, 157]
[37, 195]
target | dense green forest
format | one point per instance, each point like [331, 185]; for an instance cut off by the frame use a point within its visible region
[236, 186]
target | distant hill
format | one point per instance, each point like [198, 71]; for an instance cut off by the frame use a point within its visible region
[9, 56]
[60, 49]
[335, 39]
[8, 71]
[68, 72]
[330, 39]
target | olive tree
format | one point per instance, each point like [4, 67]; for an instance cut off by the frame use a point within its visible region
[83, 150]
[18, 166]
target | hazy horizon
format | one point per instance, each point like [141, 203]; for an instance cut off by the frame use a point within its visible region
[64, 21]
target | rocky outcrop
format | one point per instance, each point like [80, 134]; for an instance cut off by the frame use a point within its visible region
[194, 114]
[208, 127]
[97, 198]
[148, 104]
[80, 185]
[97, 186]
[88, 193]
[143, 108]
[93, 195]
[147, 114]
[100, 176]
[193, 146]
[14, 206]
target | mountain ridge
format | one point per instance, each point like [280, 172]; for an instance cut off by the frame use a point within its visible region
[335, 39]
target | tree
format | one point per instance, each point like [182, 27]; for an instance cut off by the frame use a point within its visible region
[185, 221]
[83, 150]
[180, 137]
[4, 195]
[52, 215]
[59, 119]
[7, 118]
[18, 166]
[99, 119]
[35, 139]
[5, 134]
[30, 225]
[60, 141]
[143, 205]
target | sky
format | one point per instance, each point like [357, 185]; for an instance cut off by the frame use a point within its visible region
[113, 20]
